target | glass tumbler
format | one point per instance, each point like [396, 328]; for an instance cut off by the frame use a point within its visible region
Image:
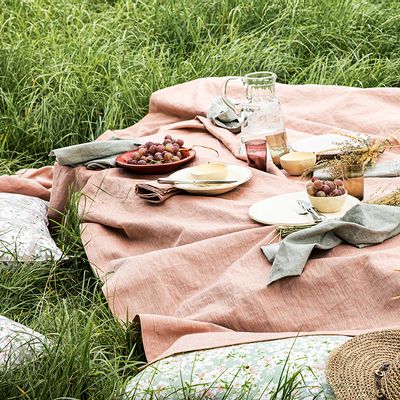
[278, 146]
[353, 179]
[256, 151]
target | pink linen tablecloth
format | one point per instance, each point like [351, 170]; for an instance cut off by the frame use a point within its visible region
[191, 270]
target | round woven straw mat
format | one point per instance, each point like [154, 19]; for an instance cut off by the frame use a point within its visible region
[352, 367]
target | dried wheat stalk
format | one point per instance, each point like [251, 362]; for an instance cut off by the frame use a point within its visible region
[389, 199]
[286, 230]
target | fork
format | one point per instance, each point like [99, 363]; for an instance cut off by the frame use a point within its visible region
[306, 208]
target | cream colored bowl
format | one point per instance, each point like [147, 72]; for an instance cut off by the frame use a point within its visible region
[296, 163]
[328, 204]
[210, 171]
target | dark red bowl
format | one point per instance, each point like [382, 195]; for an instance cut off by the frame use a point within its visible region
[122, 161]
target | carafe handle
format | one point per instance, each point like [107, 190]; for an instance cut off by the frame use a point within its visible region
[225, 98]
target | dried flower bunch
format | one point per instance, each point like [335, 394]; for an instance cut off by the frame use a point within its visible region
[357, 150]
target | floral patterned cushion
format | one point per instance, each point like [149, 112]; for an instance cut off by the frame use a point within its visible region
[247, 371]
[23, 229]
[18, 343]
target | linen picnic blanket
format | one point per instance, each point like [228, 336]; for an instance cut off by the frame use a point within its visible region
[191, 270]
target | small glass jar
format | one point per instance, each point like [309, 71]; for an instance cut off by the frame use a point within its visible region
[256, 151]
[278, 146]
[353, 179]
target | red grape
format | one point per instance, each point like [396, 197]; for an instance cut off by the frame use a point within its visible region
[158, 153]
[169, 147]
[318, 184]
[326, 189]
[331, 185]
[152, 149]
[320, 193]
[136, 155]
[310, 189]
[167, 156]
[338, 182]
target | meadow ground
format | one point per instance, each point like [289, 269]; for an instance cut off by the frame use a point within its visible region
[70, 70]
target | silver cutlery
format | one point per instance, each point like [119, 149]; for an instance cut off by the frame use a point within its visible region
[302, 211]
[194, 182]
[306, 208]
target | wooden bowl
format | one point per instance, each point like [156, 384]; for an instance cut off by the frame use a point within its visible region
[295, 163]
[122, 161]
[328, 204]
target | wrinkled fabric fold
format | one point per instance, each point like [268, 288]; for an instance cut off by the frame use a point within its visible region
[363, 225]
[192, 270]
[30, 182]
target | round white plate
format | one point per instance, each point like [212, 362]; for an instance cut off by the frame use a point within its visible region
[235, 172]
[323, 144]
[283, 210]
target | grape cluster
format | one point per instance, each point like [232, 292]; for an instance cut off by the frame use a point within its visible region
[158, 153]
[319, 188]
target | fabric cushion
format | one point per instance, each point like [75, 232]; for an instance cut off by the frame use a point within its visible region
[250, 370]
[23, 229]
[18, 343]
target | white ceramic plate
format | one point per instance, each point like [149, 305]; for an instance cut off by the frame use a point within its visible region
[323, 144]
[235, 172]
[283, 210]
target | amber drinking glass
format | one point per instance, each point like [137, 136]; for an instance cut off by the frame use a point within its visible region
[353, 179]
[278, 146]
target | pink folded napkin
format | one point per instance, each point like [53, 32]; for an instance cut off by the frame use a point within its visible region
[155, 193]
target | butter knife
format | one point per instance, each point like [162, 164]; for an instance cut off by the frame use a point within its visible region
[194, 182]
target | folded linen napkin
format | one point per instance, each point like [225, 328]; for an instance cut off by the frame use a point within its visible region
[97, 154]
[223, 116]
[387, 169]
[363, 225]
[102, 163]
[155, 194]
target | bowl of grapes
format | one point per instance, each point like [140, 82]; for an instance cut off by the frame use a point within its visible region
[157, 158]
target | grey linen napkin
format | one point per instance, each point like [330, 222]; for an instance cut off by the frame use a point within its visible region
[155, 194]
[363, 225]
[387, 169]
[224, 117]
[97, 154]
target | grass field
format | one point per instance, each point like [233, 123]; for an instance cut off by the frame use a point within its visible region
[71, 69]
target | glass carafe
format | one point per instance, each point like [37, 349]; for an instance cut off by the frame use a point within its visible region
[260, 112]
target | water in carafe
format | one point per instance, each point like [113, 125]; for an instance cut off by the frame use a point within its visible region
[262, 114]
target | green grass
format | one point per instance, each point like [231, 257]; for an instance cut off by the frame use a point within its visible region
[70, 70]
